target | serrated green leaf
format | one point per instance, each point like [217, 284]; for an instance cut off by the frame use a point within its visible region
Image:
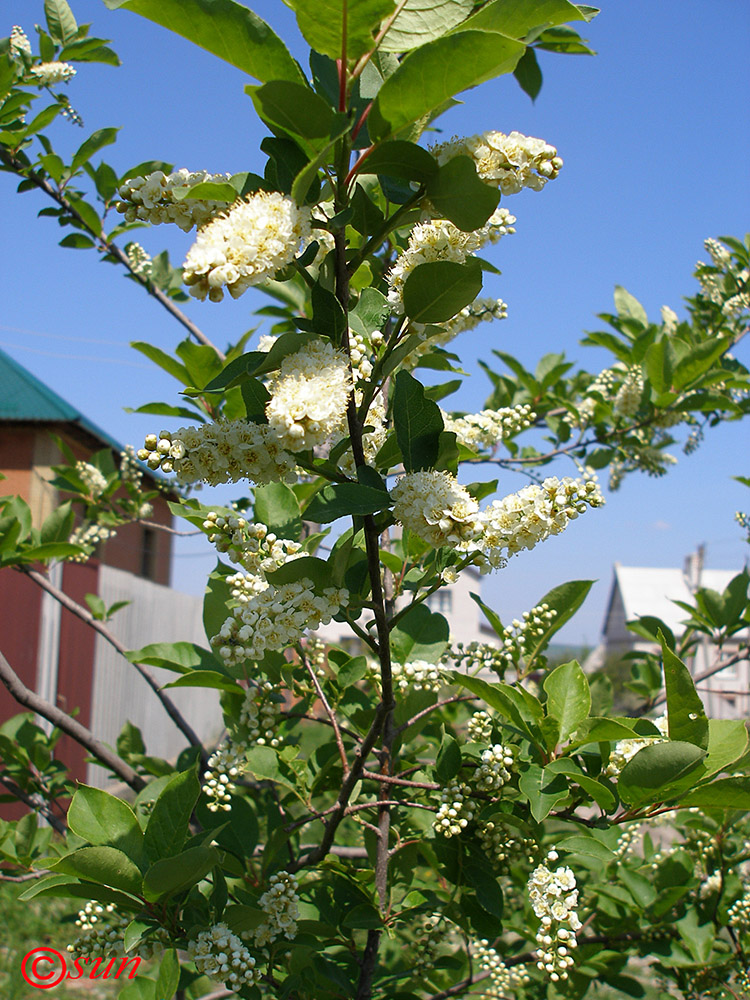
[568, 697]
[418, 423]
[686, 716]
[437, 291]
[169, 820]
[458, 194]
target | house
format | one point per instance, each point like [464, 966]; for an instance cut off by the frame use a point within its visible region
[53, 652]
[640, 590]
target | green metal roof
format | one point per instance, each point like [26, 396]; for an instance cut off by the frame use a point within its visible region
[23, 398]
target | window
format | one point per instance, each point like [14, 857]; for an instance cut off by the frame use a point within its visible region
[148, 554]
[441, 601]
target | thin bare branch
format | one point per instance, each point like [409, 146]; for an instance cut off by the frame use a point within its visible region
[74, 729]
[85, 616]
[432, 708]
[328, 710]
[392, 780]
[35, 804]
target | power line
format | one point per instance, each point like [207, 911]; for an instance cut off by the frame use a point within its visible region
[74, 357]
[59, 336]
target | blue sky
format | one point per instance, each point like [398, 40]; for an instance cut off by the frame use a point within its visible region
[654, 134]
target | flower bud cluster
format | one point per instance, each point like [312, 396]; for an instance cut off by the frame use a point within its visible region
[46, 74]
[92, 478]
[250, 544]
[481, 310]
[628, 397]
[130, 470]
[495, 768]
[520, 636]
[501, 848]
[488, 428]
[246, 245]
[510, 162]
[480, 655]
[502, 979]
[480, 727]
[102, 932]
[280, 903]
[418, 675]
[309, 395]
[152, 198]
[738, 914]
[436, 508]
[624, 750]
[274, 619]
[224, 452]
[456, 809]
[360, 352]
[224, 765]
[89, 536]
[429, 935]
[522, 520]
[259, 715]
[554, 899]
[441, 240]
[373, 439]
[19, 41]
[140, 261]
[221, 955]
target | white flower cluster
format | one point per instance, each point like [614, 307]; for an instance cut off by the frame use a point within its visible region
[418, 675]
[738, 914]
[495, 769]
[19, 41]
[224, 452]
[624, 750]
[250, 544]
[456, 809]
[280, 903]
[500, 847]
[519, 636]
[219, 954]
[441, 240]
[224, 765]
[510, 162]
[481, 310]
[436, 508]
[628, 397]
[712, 280]
[274, 619]
[711, 885]
[669, 319]
[246, 245]
[488, 428]
[92, 478]
[502, 979]
[152, 198]
[140, 261]
[130, 470]
[48, 73]
[480, 727]
[259, 715]
[309, 396]
[554, 899]
[522, 520]
[89, 536]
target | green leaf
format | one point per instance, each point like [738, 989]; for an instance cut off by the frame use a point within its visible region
[180, 872]
[103, 137]
[168, 823]
[422, 21]
[308, 567]
[418, 423]
[658, 366]
[328, 316]
[565, 599]
[104, 820]
[699, 360]
[458, 194]
[77, 241]
[362, 916]
[724, 793]
[103, 865]
[163, 360]
[304, 179]
[542, 790]
[439, 290]
[516, 18]
[639, 887]
[58, 525]
[420, 635]
[568, 697]
[433, 73]
[263, 762]
[344, 499]
[484, 883]
[227, 29]
[168, 978]
[528, 74]
[628, 306]
[370, 311]
[492, 617]
[686, 716]
[277, 507]
[179, 656]
[326, 23]
[205, 679]
[598, 730]
[218, 594]
[61, 23]
[448, 760]
[647, 776]
[402, 159]
[513, 703]
[294, 108]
